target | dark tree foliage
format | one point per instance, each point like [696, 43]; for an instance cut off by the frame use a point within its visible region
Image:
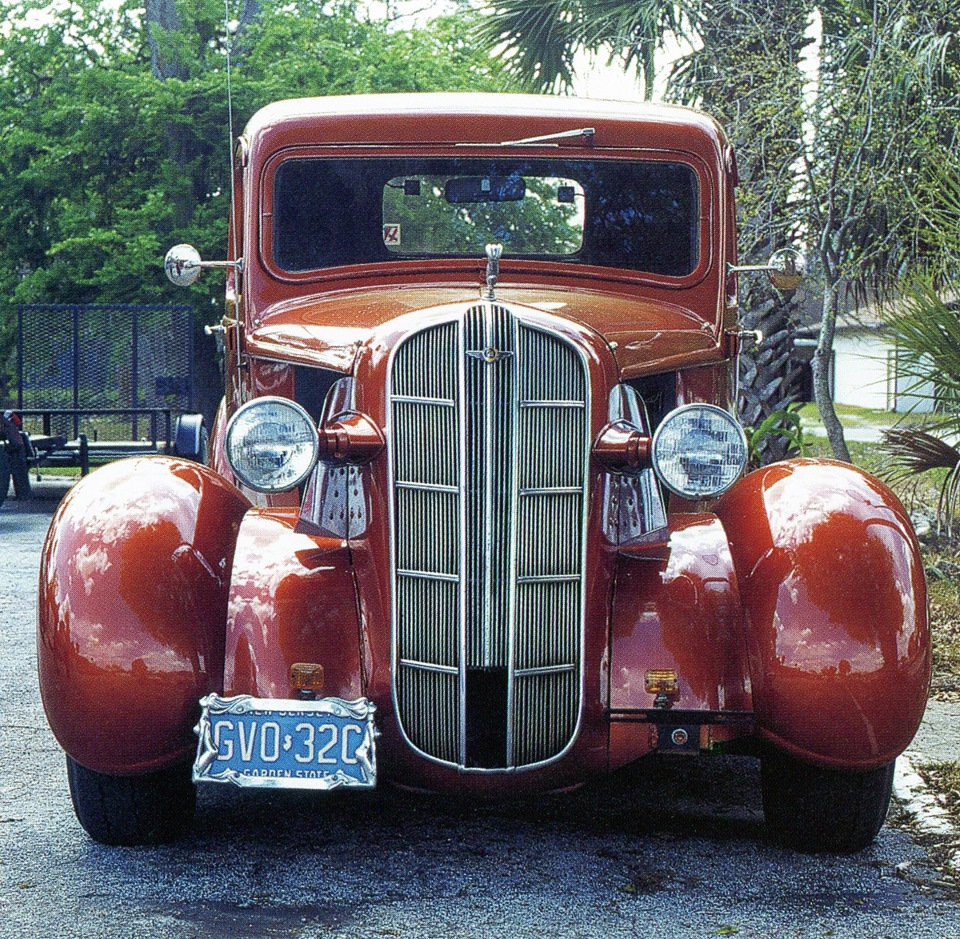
[114, 140]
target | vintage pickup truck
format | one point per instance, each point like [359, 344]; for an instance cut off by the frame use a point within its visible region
[474, 516]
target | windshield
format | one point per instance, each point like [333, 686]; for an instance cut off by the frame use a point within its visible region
[642, 216]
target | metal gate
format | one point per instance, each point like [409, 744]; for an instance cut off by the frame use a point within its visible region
[90, 357]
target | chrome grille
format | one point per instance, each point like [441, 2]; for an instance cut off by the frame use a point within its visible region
[489, 449]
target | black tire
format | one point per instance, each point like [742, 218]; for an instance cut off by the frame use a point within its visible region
[4, 473]
[128, 810]
[814, 809]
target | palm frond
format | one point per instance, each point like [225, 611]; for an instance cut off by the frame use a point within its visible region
[926, 328]
[540, 40]
[913, 452]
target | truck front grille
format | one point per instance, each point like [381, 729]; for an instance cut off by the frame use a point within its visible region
[489, 448]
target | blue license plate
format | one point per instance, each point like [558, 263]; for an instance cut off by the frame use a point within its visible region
[280, 744]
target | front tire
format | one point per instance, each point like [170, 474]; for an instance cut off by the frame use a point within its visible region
[813, 808]
[129, 810]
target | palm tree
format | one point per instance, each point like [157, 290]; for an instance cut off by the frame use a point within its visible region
[745, 72]
[543, 39]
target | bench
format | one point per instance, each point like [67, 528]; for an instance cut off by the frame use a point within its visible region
[49, 450]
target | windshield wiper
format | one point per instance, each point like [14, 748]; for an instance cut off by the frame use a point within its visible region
[585, 132]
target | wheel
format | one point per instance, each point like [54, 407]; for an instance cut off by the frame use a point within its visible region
[150, 809]
[812, 808]
[4, 473]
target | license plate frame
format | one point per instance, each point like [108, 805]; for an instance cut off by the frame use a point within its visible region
[272, 743]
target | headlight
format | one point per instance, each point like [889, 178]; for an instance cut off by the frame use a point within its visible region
[271, 444]
[699, 451]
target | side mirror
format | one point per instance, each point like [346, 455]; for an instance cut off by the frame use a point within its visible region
[182, 265]
[786, 268]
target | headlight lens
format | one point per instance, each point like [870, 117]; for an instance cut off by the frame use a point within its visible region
[699, 451]
[271, 444]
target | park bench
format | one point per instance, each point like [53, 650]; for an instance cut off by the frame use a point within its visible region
[47, 449]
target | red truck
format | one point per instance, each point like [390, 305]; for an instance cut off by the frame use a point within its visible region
[474, 514]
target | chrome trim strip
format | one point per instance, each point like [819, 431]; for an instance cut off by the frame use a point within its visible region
[464, 559]
[413, 399]
[512, 559]
[552, 404]
[546, 669]
[552, 491]
[430, 575]
[549, 579]
[430, 667]
[429, 487]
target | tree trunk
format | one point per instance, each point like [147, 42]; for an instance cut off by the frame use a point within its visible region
[649, 63]
[822, 360]
[163, 24]
[771, 378]
[753, 84]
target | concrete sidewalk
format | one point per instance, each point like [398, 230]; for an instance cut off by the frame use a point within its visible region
[938, 739]
[48, 489]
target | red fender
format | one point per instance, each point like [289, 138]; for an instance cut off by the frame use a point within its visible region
[835, 606]
[676, 607]
[133, 598]
[292, 599]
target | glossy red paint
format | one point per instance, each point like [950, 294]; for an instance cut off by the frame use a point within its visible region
[133, 594]
[645, 335]
[797, 600]
[292, 599]
[441, 124]
[677, 607]
[834, 608]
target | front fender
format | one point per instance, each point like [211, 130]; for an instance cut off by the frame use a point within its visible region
[131, 617]
[835, 608]
[292, 599]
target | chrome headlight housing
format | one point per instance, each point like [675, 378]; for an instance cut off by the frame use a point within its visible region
[699, 451]
[271, 444]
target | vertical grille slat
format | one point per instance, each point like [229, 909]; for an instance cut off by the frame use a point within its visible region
[489, 448]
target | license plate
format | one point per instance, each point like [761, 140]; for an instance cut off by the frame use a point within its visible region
[272, 743]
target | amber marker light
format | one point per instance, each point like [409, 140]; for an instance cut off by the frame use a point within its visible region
[307, 678]
[661, 681]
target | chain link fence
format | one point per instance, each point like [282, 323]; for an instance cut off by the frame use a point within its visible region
[99, 357]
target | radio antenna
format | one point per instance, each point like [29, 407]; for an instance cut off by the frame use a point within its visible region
[228, 34]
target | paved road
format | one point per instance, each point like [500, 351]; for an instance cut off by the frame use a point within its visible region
[664, 849]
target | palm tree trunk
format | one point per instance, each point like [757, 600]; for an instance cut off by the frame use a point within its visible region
[750, 80]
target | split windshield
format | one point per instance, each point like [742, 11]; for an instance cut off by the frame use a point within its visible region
[641, 216]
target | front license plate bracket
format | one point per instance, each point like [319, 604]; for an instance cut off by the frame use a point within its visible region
[271, 743]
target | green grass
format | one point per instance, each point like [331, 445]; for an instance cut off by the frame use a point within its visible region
[56, 471]
[852, 416]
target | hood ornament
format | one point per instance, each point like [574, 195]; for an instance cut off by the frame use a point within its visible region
[493, 271]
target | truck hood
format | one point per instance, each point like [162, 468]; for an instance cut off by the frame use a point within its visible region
[645, 335]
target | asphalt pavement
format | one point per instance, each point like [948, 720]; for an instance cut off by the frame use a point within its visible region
[665, 848]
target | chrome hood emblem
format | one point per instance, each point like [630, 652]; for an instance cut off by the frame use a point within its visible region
[489, 355]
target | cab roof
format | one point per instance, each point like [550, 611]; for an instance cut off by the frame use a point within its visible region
[481, 119]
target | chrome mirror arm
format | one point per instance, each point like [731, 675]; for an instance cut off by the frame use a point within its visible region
[786, 268]
[183, 265]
